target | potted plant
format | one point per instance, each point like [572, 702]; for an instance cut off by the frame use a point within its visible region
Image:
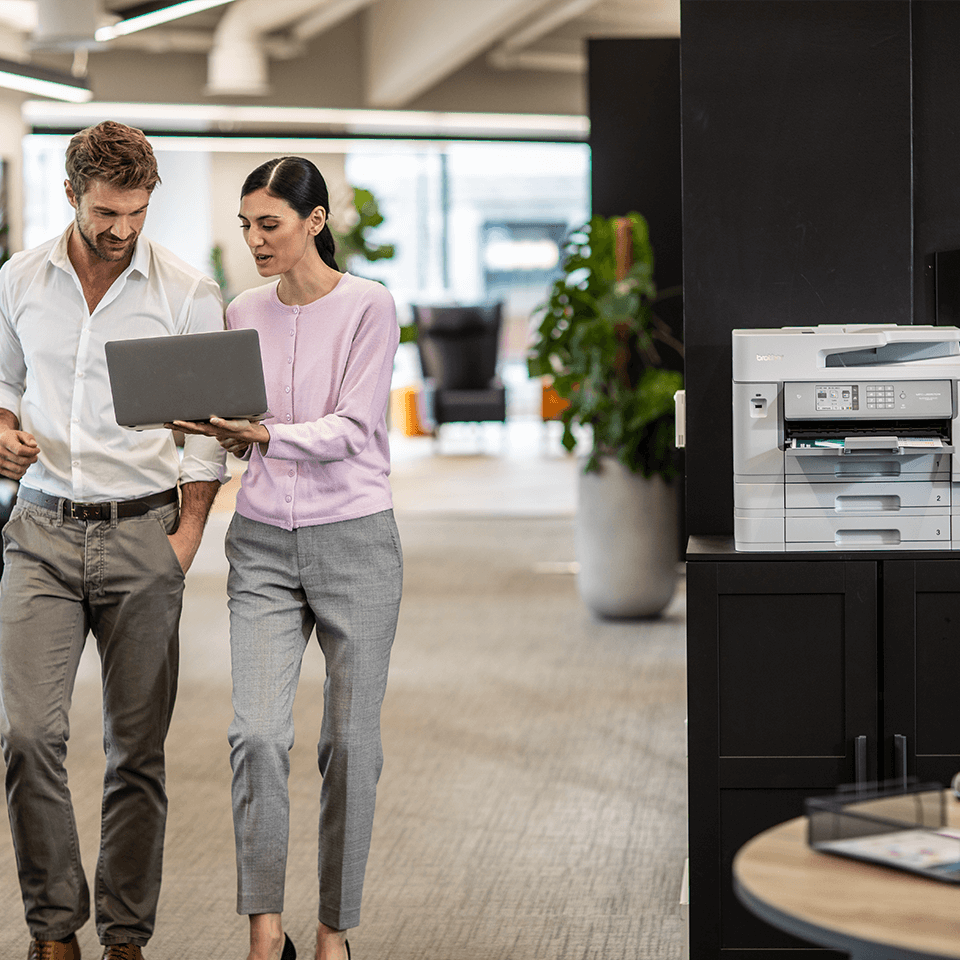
[608, 354]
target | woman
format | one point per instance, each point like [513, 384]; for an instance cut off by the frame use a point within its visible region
[313, 544]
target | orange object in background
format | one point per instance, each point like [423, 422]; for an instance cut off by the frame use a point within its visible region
[552, 404]
[405, 412]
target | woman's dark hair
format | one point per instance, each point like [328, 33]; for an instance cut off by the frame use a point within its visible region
[301, 184]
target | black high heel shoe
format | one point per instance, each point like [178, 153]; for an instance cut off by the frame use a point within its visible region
[289, 950]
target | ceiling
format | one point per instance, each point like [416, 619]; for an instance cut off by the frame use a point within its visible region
[407, 48]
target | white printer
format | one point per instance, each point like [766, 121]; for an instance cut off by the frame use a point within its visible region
[843, 438]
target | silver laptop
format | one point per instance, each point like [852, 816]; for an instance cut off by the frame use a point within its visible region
[156, 380]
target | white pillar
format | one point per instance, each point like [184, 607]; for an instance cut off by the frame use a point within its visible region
[12, 131]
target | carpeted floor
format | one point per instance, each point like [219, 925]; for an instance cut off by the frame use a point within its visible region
[533, 800]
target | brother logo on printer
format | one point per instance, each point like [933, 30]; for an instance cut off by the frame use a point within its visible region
[769, 356]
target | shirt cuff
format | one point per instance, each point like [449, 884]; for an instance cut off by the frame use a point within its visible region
[10, 400]
[203, 459]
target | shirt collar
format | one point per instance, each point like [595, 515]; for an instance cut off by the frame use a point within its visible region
[141, 256]
[58, 254]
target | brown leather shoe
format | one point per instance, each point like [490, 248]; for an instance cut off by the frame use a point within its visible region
[122, 951]
[54, 950]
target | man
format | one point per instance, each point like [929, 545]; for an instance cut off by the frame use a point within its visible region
[94, 543]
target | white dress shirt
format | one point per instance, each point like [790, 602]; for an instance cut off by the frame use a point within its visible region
[53, 371]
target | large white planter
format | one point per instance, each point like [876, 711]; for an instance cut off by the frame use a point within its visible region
[626, 541]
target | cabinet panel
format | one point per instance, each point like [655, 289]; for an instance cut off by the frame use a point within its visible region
[788, 651]
[795, 650]
[782, 664]
[744, 814]
[921, 644]
[938, 664]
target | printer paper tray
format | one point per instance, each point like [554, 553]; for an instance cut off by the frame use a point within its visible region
[867, 531]
[913, 465]
[853, 497]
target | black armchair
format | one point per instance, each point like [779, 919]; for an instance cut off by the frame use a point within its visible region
[458, 353]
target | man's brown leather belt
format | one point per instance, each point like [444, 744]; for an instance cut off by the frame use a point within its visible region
[98, 511]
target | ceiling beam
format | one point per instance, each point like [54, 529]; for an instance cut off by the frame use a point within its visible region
[512, 53]
[327, 17]
[411, 45]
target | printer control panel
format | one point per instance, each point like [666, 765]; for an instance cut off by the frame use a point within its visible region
[836, 397]
[868, 399]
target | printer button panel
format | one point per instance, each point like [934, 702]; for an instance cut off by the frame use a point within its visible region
[880, 396]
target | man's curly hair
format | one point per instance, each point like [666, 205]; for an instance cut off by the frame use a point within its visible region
[112, 152]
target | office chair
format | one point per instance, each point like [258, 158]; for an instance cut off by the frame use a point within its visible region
[458, 349]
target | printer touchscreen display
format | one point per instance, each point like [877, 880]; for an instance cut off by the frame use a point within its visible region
[833, 398]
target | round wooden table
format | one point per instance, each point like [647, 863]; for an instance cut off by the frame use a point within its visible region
[869, 912]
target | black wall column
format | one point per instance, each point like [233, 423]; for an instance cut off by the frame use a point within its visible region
[797, 192]
[936, 144]
[634, 103]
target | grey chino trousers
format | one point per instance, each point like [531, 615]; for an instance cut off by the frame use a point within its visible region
[120, 580]
[344, 580]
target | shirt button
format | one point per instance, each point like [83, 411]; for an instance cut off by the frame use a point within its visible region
[286, 389]
[296, 309]
[288, 499]
[289, 359]
[288, 416]
[291, 473]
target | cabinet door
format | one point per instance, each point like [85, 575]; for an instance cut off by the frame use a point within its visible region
[782, 700]
[921, 674]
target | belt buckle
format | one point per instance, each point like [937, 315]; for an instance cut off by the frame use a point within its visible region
[85, 511]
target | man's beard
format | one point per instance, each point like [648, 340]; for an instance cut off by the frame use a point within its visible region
[100, 249]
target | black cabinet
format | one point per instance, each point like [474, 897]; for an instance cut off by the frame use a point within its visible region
[805, 672]
[921, 668]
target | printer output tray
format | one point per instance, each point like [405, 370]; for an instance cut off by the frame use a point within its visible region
[865, 438]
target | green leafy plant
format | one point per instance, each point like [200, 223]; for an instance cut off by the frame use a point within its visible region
[218, 269]
[353, 242]
[600, 341]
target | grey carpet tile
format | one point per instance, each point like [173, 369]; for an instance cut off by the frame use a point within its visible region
[532, 805]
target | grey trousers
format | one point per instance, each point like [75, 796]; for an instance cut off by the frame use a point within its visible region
[344, 580]
[120, 580]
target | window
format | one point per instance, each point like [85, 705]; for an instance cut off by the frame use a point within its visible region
[474, 221]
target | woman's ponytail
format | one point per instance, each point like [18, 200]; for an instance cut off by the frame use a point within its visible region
[326, 246]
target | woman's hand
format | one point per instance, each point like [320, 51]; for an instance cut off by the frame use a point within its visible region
[233, 435]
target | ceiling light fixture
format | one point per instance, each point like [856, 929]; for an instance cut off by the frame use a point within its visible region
[40, 82]
[163, 15]
[314, 121]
